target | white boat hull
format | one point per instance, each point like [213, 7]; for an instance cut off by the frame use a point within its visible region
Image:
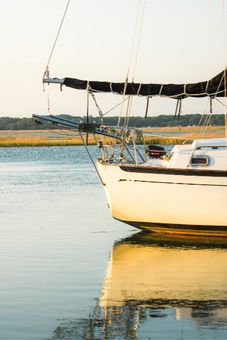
[144, 196]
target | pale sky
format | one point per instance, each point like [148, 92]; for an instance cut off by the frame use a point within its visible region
[181, 41]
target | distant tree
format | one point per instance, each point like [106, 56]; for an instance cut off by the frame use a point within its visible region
[8, 123]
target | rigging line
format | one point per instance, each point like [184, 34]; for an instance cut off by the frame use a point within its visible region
[225, 103]
[139, 39]
[129, 104]
[220, 102]
[97, 106]
[136, 59]
[90, 156]
[124, 92]
[223, 78]
[104, 114]
[127, 111]
[87, 106]
[190, 136]
[55, 41]
[206, 122]
[134, 37]
[208, 117]
[225, 61]
[137, 48]
[130, 60]
[87, 111]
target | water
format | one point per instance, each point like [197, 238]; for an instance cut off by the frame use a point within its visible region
[69, 271]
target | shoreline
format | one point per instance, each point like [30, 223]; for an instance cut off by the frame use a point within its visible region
[37, 138]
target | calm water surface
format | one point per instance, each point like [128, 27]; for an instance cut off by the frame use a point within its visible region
[69, 271]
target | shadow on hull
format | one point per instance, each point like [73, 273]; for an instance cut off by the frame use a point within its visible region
[180, 229]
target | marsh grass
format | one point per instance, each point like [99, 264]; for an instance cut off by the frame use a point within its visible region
[30, 138]
[185, 129]
[41, 141]
[165, 140]
[187, 135]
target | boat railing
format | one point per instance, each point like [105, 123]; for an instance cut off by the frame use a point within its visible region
[125, 140]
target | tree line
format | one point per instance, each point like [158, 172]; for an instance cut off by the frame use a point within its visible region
[8, 123]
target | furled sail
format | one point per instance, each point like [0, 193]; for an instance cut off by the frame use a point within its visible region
[213, 87]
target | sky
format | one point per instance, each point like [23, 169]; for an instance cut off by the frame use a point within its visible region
[182, 41]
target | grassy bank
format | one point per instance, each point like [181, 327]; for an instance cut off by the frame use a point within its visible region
[11, 138]
[185, 129]
[41, 141]
[66, 141]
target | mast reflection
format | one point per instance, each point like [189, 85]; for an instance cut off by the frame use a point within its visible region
[152, 276]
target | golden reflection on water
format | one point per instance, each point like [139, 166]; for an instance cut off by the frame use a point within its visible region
[146, 272]
[150, 271]
[152, 282]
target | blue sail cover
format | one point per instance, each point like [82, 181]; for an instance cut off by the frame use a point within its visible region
[215, 87]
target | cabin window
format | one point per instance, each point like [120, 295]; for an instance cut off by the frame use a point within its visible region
[200, 160]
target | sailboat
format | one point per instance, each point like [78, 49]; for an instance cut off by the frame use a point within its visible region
[179, 190]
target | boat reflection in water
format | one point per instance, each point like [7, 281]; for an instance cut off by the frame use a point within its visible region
[157, 287]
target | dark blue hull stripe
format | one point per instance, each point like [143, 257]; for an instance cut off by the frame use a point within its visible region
[178, 183]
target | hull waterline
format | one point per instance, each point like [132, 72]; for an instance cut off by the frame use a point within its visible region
[171, 202]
